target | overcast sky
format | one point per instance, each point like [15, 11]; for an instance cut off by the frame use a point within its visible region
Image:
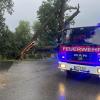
[26, 10]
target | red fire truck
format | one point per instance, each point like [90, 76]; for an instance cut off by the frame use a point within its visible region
[80, 50]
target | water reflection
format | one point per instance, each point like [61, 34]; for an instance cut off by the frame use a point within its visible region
[62, 92]
[3, 80]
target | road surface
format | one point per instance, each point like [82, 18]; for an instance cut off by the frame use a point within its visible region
[41, 80]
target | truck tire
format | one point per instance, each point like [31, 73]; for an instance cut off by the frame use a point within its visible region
[68, 73]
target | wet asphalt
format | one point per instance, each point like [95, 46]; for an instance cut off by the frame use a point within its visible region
[41, 80]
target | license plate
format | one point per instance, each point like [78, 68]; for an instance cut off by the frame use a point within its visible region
[79, 68]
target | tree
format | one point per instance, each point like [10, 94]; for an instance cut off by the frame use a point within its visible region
[6, 43]
[11, 44]
[5, 6]
[22, 36]
[51, 15]
[5, 33]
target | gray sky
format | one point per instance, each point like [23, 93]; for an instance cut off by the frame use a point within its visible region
[90, 14]
[26, 10]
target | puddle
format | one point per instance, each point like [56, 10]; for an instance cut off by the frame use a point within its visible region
[3, 79]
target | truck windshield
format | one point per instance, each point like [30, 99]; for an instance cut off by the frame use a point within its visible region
[86, 36]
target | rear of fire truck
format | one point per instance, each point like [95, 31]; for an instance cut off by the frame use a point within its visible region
[80, 50]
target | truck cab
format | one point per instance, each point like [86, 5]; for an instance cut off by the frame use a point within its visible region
[80, 50]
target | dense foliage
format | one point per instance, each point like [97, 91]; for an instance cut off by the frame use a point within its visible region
[22, 36]
[5, 33]
[5, 6]
[12, 43]
[51, 17]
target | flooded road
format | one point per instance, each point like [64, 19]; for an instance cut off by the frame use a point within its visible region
[41, 80]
